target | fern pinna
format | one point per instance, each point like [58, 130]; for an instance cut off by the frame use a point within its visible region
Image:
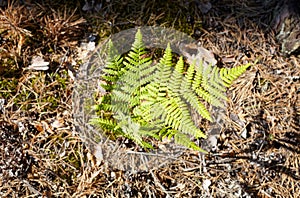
[143, 99]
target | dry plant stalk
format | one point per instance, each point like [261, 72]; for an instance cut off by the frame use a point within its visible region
[14, 23]
[61, 26]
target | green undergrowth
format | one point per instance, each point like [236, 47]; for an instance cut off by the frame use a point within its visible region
[35, 91]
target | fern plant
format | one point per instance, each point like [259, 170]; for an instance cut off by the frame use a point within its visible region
[143, 99]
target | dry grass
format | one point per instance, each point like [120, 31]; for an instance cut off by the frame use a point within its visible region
[43, 156]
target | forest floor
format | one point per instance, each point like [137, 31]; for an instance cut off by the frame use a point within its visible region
[41, 153]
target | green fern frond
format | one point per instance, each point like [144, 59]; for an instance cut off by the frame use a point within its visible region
[164, 69]
[186, 141]
[199, 83]
[108, 126]
[113, 69]
[216, 81]
[175, 80]
[207, 74]
[135, 56]
[145, 100]
[229, 75]
[100, 122]
[132, 130]
[175, 114]
[190, 74]
[166, 60]
[181, 139]
[192, 98]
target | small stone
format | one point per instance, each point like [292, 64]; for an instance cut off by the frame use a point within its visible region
[206, 183]
[244, 134]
